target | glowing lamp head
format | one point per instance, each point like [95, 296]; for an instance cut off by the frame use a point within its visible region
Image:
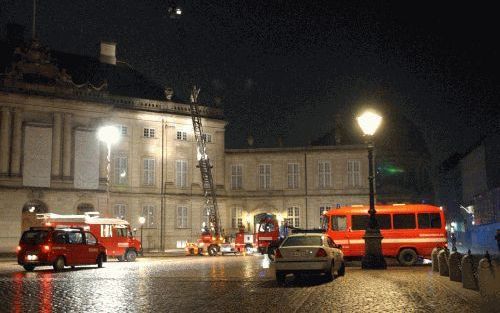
[142, 220]
[108, 134]
[369, 122]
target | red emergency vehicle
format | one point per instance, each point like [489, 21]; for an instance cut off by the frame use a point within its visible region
[113, 233]
[408, 230]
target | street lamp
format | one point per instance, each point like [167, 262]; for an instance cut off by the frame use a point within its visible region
[142, 220]
[110, 135]
[373, 258]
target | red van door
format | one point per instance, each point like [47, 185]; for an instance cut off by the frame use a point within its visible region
[339, 232]
[76, 249]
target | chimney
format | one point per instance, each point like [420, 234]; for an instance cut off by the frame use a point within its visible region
[108, 53]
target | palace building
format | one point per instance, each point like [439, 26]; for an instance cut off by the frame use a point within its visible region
[52, 105]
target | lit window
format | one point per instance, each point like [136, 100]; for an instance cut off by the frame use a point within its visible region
[293, 175]
[149, 171]
[181, 135]
[181, 173]
[264, 176]
[148, 212]
[324, 173]
[120, 210]
[207, 137]
[236, 177]
[106, 230]
[121, 168]
[182, 217]
[181, 244]
[353, 173]
[149, 132]
[236, 217]
[293, 218]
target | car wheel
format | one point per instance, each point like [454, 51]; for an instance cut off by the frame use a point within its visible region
[130, 256]
[59, 264]
[100, 259]
[407, 257]
[280, 277]
[341, 271]
[212, 250]
[29, 267]
[329, 274]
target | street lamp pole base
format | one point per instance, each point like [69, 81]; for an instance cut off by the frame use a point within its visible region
[373, 258]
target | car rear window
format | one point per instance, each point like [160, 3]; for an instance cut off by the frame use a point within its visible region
[34, 237]
[303, 241]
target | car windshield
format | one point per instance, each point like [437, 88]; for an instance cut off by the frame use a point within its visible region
[302, 241]
[34, 237]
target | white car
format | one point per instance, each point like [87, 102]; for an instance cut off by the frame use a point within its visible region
[309, 253]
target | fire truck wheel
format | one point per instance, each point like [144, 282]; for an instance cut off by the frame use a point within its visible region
[212, 250]
[59, 264]
[341, 271]
[29, 267]
[100, 259]
[407, 257]
[130, 256]
[280, 277]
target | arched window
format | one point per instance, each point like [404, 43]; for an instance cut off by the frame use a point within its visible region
[85, 207]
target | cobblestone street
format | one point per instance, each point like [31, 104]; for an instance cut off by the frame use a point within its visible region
[227, 284]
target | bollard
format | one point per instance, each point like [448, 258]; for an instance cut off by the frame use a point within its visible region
[443, 262]
[454, 266]
[488, 279]
[468, 278]
[434, 258]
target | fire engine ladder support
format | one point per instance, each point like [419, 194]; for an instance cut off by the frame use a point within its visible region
[204, 165]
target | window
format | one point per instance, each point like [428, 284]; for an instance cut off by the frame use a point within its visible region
[149, 132]
[324, 173]
[181, 244]
[181, 173]
[339, 222]
[404, 221]
[236, 177]
[121, 231]
[293, 175]
[360, 222]
[205, 217]
[148, 172]
[90, 239]
[298, 241]
[353, 173]
[60, 237]
[181, 135]
[323, 209]
[264, 176]
[148, 212]
[75, 238]
[207, 137]
[106, 230]
[121, 169]
[182, 217]
[429, 220]
[123, 130]
[120, 210]
[293, 218]
[236, 217]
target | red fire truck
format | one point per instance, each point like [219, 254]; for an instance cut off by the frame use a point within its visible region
[408, 230]
[113, 233]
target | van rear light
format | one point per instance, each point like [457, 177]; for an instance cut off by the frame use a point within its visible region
[277, 254]
[46, 248]
[18, 248]
[321, 252]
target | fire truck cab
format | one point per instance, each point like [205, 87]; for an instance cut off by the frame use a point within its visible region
[113, 233]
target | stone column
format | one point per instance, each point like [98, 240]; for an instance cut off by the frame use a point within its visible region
[56, 145]
[5, 141]
[16, 143]
[67, 146]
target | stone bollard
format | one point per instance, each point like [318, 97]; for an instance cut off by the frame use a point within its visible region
[468, 274]
[443, 262]
[434, 258]
[488, 279]
[454, 266]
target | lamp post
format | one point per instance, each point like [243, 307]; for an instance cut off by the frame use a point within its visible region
[373, 258]
[110, 136]
[142, 220]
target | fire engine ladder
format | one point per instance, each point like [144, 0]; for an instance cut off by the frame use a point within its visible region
[205, 166]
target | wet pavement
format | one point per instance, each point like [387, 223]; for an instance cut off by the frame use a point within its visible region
[227, 284]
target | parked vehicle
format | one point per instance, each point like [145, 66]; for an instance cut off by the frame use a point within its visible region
[59, 247]
[408, 231]
[309, 253]
[113, 233]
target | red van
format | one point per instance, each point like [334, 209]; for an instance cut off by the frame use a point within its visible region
[409, 230]
[113, 233]
[59, 247]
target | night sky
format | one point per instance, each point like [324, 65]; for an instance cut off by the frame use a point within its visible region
[285, 68]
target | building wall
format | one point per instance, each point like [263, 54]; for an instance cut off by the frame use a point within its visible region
[61, 119]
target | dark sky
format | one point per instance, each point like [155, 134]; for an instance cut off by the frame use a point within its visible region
[286, 67]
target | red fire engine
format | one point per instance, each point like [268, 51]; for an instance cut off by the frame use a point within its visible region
[113, 233]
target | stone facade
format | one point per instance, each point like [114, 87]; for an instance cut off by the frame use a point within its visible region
[157, 138]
